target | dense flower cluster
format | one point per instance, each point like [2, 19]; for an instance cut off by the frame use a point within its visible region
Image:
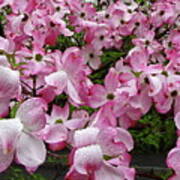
[33, 73]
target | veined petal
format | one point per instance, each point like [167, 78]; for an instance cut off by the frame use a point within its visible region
[9, 82]
[4, 106]
[9, 133]
[98, 96]
[111, 80]
[107, 172]
[85, 137]
[30, 151]
[173, 159]
[88, 159]
[31, 114]
[5, 160]
[156, 85]
[59, 113]
[55, 133]
[177, 120]
[57, 79]
[73, 93]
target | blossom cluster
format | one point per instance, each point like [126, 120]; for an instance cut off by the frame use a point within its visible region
[34, 73]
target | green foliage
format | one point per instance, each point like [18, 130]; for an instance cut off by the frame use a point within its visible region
[14, 110]
[166, 175]
[154, 133]
[61, 99]
[18, 173]
[154, 173]
[56, 158]
[64, 42]
[88, 109]
[108, 59]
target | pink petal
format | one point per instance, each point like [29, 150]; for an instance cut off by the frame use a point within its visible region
[57, 146]
[9, 82]
[104, 117]
[173, 159]
[74, 175]
[5, 160]
[30, 151]
[59, 113]
[4, 106]
[72, 61]
[177, 105]
[156, 85]
[73, 92]
[48, 94]
[111, 80]
[125, 137]
[57, 79]
[55, 133]
[80, 114]
[114, 141]
[9, 133]
[98, 96]
[107, 172]
[177, 120]
[88, 159]
[85, 137]
[142, 101]
[31, 114]
[95, 63]
[129, 173]
[73, 124]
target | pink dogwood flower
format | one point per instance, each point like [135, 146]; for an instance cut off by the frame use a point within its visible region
[88, 161]
[69, 73]
[18, 138]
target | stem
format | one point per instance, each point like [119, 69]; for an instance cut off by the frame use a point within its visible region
[27, 85]
[34, 85]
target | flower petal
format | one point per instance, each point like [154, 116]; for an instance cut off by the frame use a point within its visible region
[9, 82]
[57, 79]
[112, 80]
[85, 137]
[177, 120]
[30, 152]
[31, 114]
[107, 172]
[9, 132]
[73, 93]
[55, 133]
[5, 160]
[88, 159]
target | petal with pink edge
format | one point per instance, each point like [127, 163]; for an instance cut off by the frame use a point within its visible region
[55, 133]
[88, 159]
[59, 113]
[9, 82]
[98, 96]
[5, 160]
[9, 132]
[173, 159]
[74, 175]
[85, 137]
[30, 152]
[73, 93]
[31, 114]
[112, 80]
[4, 106]
[58, 80]
[177, 120]
[107, 172]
